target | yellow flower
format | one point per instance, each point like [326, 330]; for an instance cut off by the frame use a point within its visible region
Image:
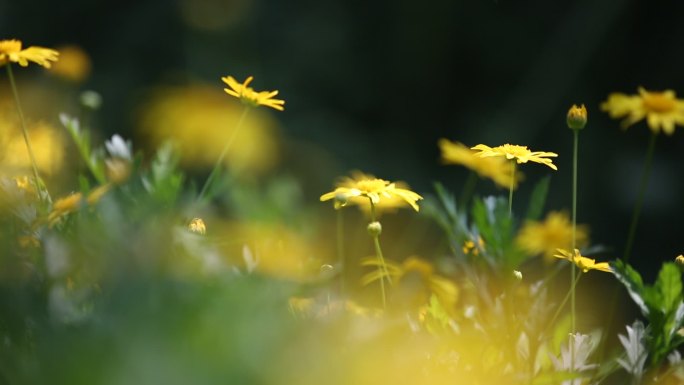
[520, 153]
[555, 232]
[662, 110]
[495, 169]
[74, 201]
[472, 248]
[585, 264]
[74, 64]
[250, 97]
[415, 280]
[369, 187]
[10, 51]
[577, 117]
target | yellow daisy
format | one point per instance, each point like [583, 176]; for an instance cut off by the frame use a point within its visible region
[585, 264]
[662, 110]
[520, 153]
[250, 97]
[370, 187]
[10, 51]
[495, 169]
[554, 232]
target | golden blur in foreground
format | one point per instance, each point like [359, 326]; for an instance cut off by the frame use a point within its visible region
[46, 141]
[271, 249]
[201, 120]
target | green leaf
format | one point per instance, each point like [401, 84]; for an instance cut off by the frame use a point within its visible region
[94, 160]
[669, 285]
[490, 215]
[538, 198]
[632, 281]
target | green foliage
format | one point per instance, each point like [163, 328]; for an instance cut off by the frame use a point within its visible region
[164, 181]
[535, 208]
[661, 304]
[497, 229]
[93, 159]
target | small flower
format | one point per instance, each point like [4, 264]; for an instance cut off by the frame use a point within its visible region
[555, 232]
[250, 97]
[369, 187]
[197, 226]
[517, 275]
[662, 110]
[520, 153]
[495, 169]
[10, 51]
[585, 264]
[577, 117]
[472, 248]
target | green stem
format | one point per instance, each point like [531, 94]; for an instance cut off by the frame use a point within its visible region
[565, 300]
[640, 198]
[219, 161]
[510, 189]
[383, 265]
[573, 269]
[340, 248]
[468, 189]
[24, 130]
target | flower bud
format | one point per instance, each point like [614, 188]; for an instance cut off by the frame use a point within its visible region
[517, 275]
[374, 229]
[680, 262]
[117, 170]
[197, 226]
[577, 117]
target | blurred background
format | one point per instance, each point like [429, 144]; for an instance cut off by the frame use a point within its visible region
[374, 85]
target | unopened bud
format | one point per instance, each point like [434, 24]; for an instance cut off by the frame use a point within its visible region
[577, 117]
[118, 170]
[197, 226]
[91, 99]
[374, 229]
[680, 261]
[517, 275]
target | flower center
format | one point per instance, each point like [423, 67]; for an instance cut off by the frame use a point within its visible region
[374, 185]
[658, 101]
[10, 46]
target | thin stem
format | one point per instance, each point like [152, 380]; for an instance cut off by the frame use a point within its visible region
[573, 272]
[468, 189]
[383, 265]
[510, 189]
[24, 131]
[640, 198]
[219, 161]
[340, 248]
[565, 300]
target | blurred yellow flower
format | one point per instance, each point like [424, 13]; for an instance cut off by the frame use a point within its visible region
[367, 187]
[495, 169]
[200, 122]
[74, 201]
[74, 64]
[520, 153]
[472, 248]
[47, 142]
[585, 264]
[555, 232]
[415, 280]
[577, 117]
[250, 97]
[10, 51]
[662, 110]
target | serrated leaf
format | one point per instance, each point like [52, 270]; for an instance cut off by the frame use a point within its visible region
[538, 198]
